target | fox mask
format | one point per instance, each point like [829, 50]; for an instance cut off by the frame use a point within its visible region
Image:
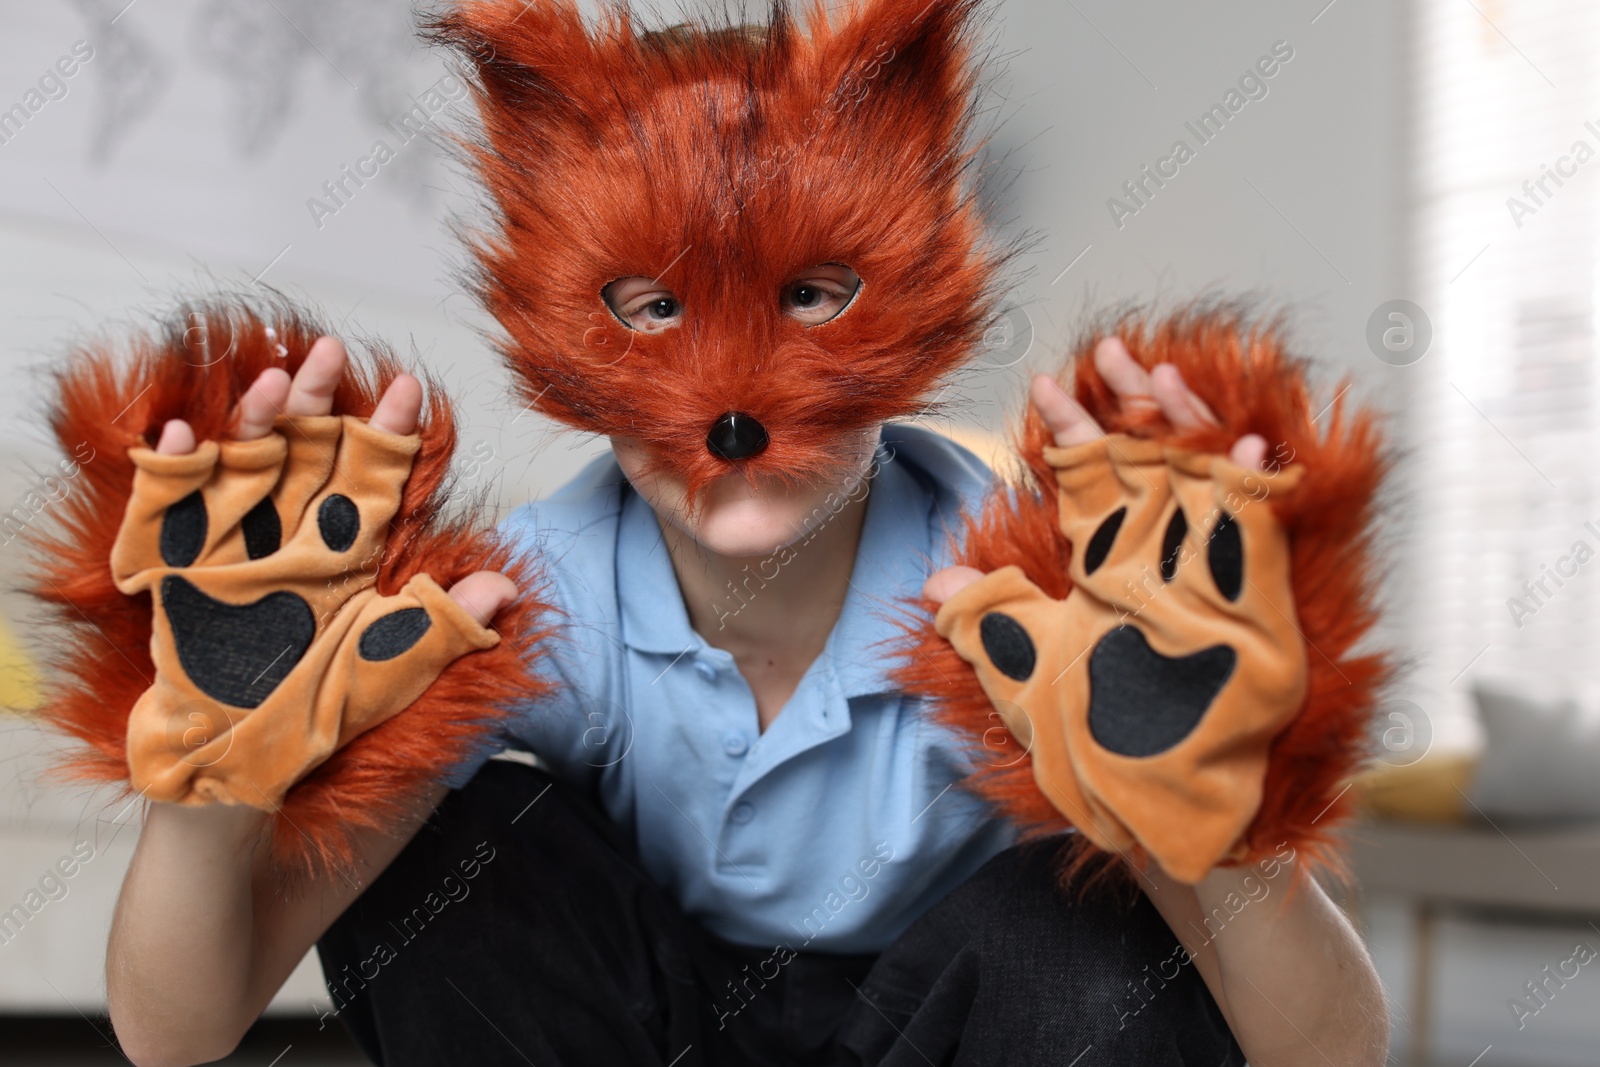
[722, 164]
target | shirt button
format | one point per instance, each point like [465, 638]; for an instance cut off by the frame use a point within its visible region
[707, 669]
[734, 744]
[743, 812]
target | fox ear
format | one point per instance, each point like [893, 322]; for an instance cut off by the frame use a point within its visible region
[537, 63]
[910, 62]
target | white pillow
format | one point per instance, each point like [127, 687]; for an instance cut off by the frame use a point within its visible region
[1541, 757]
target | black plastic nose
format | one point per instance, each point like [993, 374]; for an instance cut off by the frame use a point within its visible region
[736, 436]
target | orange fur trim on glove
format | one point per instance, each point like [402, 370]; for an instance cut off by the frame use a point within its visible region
[1177, 760]
[169, 575]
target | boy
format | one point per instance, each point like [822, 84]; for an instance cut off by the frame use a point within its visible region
[743, 845]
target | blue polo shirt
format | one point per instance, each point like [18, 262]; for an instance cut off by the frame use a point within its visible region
[841, 823]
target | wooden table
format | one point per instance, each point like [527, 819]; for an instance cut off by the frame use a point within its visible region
[1549, 869]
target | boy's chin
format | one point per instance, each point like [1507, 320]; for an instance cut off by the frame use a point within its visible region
[751, 527]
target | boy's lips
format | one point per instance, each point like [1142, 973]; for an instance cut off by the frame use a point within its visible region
[739, 485]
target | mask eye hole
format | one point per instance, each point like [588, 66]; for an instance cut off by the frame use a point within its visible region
[642, 304]
[820, 294]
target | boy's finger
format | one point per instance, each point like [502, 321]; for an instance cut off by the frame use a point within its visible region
[942, 585]
[261, 403]
[483, 594]
[1250, 452]
[400, 407]
[177, 438]
[317, 378]
[1063, 416]
[1179, 404]
[1123, 374]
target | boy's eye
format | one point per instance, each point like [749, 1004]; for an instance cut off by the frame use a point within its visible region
[821, 293]
[642, 304]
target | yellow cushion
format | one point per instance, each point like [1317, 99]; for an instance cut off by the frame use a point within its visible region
[19, 679]
[1430, 790]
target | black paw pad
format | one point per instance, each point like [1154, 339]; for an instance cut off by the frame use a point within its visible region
[339, 522]
[1226, 553]
[1009, 647]
[1142, 703]
[1172, 545]
[263, 531]
[237, 653]
[183, 530]
[393, 634]
[1105, 536]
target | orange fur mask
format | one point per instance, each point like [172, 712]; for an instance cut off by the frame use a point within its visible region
[721, 164]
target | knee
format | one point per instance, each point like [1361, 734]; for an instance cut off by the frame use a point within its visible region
[1103, 927]
[1016, 968]
[514, 855]
[509, 833]
[1098, 958]
[509, 805]
[498, 786]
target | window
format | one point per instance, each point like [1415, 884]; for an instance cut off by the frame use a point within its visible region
[1502, 427]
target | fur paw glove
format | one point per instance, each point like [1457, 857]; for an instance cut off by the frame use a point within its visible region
[1150, 696]
[272, 648]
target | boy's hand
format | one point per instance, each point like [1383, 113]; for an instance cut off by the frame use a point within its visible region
[310, 392]
[264, 583]
[1147, 697]
[1162, 388]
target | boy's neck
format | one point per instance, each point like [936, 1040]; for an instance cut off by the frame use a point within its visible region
[773, 613]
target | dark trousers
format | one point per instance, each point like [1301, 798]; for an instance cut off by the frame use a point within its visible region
[518, 927]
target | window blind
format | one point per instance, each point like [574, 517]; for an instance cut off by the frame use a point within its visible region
[1502, 424]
